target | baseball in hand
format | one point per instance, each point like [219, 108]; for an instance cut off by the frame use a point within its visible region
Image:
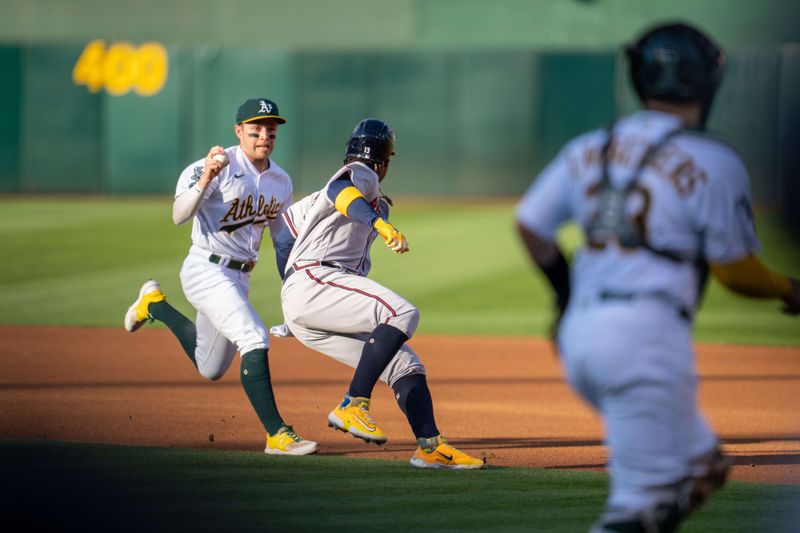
[222, 158]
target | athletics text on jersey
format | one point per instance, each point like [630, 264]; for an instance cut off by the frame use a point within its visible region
[237, 205]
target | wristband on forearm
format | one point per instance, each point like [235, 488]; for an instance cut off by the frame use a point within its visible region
[558, 275]
[384, 229]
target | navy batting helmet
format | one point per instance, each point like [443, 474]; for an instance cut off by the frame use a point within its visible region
[676, 62]
[372, 141]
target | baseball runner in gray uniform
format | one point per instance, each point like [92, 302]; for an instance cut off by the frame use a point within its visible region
[331, 306]
[231, 196]
[660, 203]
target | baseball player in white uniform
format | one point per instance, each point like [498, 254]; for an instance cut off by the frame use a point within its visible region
[231, 195]
[659, 203]
[331, 306]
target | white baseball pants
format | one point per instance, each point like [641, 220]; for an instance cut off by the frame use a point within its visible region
[633, 362]
[334, 312]
[226, 321]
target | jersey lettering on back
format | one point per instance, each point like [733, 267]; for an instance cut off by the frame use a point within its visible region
[683, 201]
[611, 221]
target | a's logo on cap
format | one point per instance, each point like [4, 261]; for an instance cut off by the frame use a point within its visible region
[265, 107]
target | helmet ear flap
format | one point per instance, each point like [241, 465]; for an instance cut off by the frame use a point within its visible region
[633, 55]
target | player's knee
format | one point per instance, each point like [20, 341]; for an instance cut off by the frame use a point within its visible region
[406, 321]
[211, 374]
[255, 343]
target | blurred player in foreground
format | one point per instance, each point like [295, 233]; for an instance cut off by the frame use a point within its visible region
[661, 203]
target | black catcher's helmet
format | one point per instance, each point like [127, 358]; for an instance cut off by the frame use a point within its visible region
[676, 62]
[371, 141]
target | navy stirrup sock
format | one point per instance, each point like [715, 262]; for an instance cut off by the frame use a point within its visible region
[380, 348]
[414, 398]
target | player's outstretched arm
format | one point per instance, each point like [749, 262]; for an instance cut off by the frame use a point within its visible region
[188, 203]
[750, 277]
[350, 202]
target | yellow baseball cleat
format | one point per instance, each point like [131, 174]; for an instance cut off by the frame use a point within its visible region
[287, 442]
[438, 454]
[138, 313]
[352, 416]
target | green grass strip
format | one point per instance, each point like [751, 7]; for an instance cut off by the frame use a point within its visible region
[80, 487]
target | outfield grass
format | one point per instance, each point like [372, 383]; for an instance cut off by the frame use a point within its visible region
[87, 487]
[81, 261]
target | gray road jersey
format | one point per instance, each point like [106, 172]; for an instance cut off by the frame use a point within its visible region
[324, 234]
[237, 206]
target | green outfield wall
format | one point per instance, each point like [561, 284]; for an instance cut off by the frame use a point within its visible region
[391, 24]
[481, 94]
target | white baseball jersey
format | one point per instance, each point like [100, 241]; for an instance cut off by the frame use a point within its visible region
[694, 198]
[238, 203]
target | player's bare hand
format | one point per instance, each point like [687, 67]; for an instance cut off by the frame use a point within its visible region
[213, 164]
[792, 301]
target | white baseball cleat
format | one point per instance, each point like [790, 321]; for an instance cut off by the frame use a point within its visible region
[138, 313]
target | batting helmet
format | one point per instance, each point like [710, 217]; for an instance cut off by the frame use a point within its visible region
[371, 141]
[676, 62]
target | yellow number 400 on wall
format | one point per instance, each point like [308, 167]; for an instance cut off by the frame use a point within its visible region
[122, 67]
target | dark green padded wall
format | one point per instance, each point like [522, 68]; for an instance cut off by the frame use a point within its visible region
[467, 123]
[61, 142]
[788, 147]
[746, 113]
[10, 58]
[144, 137]
[577, 94]
[480, 122]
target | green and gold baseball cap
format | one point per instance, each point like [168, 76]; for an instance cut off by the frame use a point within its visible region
[257, 109]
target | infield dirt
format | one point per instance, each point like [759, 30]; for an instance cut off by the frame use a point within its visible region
[503, 398]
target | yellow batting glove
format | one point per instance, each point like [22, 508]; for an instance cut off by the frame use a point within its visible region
[394, 239]
[400, 244]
